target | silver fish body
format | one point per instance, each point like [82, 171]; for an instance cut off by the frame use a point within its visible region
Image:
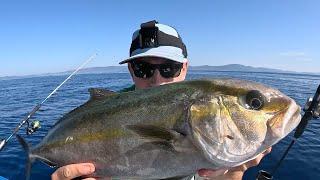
[172, 130]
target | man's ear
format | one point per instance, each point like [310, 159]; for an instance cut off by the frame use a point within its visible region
[185, 66]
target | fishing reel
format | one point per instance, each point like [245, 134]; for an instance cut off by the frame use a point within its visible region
[316, 111]
[33, 127]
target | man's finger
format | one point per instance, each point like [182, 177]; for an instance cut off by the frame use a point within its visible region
[72, 171]
[257, 160]
[267, 151]
[211, 173]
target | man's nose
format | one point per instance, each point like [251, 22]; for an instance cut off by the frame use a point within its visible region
[156, 78]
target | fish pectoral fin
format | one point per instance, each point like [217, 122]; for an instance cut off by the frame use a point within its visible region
[98, 93]
[162, 137]
[155, 132]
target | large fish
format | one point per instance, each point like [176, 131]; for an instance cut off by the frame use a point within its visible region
[170, 131]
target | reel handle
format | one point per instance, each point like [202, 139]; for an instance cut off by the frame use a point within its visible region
[264, 175]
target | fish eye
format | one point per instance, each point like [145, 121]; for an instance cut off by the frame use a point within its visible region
[255, 100]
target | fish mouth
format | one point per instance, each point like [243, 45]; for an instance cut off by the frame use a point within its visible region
[285, 121]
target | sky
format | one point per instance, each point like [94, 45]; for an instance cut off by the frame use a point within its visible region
[52, 36]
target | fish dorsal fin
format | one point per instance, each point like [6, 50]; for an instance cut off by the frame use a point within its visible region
[99, 93]
[155, 132]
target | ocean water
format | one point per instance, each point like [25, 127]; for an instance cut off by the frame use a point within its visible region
[19, 96]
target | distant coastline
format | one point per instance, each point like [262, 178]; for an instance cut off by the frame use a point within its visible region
[124, 69]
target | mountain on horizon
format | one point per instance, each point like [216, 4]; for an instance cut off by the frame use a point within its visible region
[124, 69]
[238, 67]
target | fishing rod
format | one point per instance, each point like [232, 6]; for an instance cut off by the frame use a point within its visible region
[311, 110]
[36, 124]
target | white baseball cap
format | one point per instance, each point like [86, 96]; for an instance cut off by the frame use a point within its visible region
[157, 40]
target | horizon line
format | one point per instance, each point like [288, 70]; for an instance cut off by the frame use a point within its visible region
[253, 67]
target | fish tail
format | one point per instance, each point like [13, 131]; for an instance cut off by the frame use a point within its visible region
[30, 158]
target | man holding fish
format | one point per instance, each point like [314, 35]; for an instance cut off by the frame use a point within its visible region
[158, 56]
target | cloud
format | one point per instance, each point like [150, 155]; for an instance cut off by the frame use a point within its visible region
[296, 55]
[293, 54]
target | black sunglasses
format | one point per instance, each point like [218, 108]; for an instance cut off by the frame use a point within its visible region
[143, 69]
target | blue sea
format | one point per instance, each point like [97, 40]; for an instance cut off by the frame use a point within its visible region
[19, 96]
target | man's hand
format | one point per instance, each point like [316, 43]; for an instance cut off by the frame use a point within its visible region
[233, 173]
[73, 171]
